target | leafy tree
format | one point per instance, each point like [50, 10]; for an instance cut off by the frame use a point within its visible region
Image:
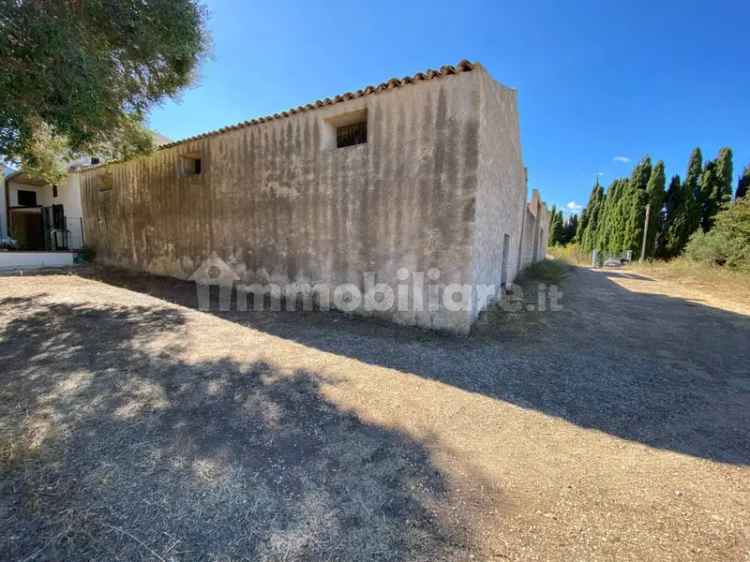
[728, 242]
[743, 184]
[85, 74]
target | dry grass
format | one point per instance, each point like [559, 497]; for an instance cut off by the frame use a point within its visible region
[720, 282]
[570, 254]
[135, 427]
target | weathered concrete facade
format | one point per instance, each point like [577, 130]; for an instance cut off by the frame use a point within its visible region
[535, 231]
[437, 185]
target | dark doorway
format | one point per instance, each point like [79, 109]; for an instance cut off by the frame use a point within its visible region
[27, 228]
[506, 251]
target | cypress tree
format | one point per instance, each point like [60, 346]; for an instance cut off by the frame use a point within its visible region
[620, 218]
[582, 223]
[709, 187]
[692, 194]
[724, 169]
[596, 203]
[571, 228]
[610, 235]
[656, 195]
[583, 228]
[675, 219]
[555, 227]
[560, 228]
[635, 209]
[743, 184]
[716, 187]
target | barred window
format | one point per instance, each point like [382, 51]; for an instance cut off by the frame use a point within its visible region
[349, 135]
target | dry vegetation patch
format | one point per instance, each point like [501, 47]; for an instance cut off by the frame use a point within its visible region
[135, 427]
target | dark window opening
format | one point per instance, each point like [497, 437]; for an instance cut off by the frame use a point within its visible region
[104, 182]
[26, 198]
[54, 190]
[191, 165]
[349, 135]
[94, 161]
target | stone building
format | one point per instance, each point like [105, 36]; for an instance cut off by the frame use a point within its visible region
[417, 180]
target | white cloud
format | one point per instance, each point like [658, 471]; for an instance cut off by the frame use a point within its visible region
[574, 207]
[600, 173]
[623, 159]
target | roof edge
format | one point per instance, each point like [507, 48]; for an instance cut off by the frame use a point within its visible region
[392, 84]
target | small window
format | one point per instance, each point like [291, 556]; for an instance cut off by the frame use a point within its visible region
[104, 182]
[191, 164]
[349, 135]
[344, 129]
[94, 161]
[54, 190]
[26, 198]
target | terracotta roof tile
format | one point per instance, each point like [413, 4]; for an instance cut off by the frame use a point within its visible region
[393, 83]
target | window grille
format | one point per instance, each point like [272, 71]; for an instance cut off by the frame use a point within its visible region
[349, 135]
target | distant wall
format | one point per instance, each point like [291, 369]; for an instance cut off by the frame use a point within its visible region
[535, 231]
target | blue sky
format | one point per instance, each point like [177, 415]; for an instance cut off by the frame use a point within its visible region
[596, 80]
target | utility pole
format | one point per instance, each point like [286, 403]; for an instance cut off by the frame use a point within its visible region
[645, 232]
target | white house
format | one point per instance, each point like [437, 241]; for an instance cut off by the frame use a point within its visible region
[40, 215]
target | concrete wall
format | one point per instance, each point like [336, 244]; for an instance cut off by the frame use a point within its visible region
[33, 260]
[437, 184]
[69, 196]
[535, 232]
[501, 192]
[283, 203]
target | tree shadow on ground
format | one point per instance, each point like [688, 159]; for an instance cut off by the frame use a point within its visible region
[662, 371]
[116, 447]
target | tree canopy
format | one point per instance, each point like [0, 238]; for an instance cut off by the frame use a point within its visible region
[82, 74]
[613, 221]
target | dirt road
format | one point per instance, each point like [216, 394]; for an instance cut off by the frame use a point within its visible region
[134, 427]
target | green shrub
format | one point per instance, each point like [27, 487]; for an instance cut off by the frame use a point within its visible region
[551, 272]
[728, 242]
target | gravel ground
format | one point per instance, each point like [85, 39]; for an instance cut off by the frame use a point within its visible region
[134, 427]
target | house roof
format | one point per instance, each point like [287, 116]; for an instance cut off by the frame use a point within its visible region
[19, 176]
[446, 70]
